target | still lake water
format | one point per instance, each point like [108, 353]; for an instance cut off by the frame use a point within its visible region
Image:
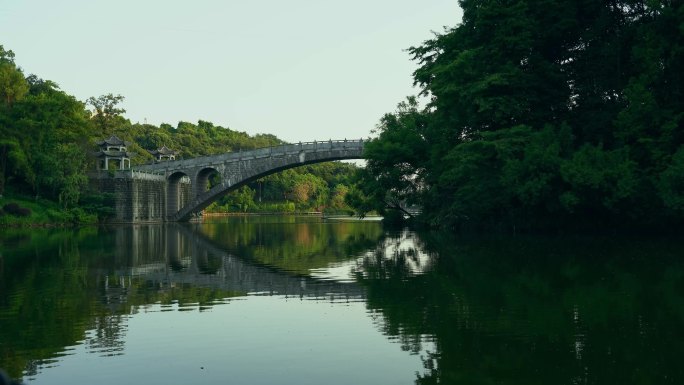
[295, 300]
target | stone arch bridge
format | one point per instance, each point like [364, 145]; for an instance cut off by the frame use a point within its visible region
[177, 190]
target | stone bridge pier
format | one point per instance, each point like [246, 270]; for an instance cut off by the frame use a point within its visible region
[182, 187]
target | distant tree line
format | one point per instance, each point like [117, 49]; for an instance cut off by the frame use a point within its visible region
[319, 187]
[541, 115]
[46, 136]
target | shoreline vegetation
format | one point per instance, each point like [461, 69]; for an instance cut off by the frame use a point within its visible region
[26, 212]
[18, 212]
[322, 214]
[540, 116]
[22, 212]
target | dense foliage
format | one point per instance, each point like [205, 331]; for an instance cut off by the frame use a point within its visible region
[318, 187]
[541, 114]
[46, 136]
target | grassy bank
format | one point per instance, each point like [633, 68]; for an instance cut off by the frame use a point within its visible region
[24, 211]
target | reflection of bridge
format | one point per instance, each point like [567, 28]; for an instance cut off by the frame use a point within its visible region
[176, 190]
[168, 256]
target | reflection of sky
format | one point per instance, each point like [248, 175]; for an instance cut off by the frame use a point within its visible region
[340, 272]
[255, 340]
[406, 242]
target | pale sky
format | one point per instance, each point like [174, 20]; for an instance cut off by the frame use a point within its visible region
[301, 69]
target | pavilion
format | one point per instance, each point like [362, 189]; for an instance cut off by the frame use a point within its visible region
[113, 150]
[163, 154]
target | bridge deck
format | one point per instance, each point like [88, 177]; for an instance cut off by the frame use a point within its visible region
[259, 153]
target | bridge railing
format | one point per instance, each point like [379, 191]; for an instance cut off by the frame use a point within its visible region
[295, 148]
[264, 152]
[146, 175]
[315, 145]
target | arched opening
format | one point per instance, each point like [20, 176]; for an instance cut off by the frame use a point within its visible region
[243, 171]
[206, 179]
[178, 193]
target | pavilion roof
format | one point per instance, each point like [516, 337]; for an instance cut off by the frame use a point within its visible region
[164, 151]
[113, 141]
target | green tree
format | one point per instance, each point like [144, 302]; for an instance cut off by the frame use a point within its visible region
[13, 85]
[241, 199]
[671, 183]
[308, 191]
[71, 179]
[396, 169]
[106, 114]
[544, 112]
[13, 161]
[38, 129]
[337, 197]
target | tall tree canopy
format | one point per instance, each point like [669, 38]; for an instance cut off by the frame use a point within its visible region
[542, 113]
[13, 86]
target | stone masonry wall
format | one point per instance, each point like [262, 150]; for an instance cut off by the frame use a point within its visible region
[138, 197]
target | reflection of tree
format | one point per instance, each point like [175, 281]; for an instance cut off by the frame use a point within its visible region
[296, 247]
[535, 311]
[107, 337]
[44, 301]
[61, 286]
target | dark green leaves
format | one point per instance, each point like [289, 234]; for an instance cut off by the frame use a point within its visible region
[545, 112]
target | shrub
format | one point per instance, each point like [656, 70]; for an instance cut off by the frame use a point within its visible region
[16, 210]
[56, 216]
[78, 216]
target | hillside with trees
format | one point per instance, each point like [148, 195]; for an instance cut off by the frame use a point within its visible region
[47, 136]
[541, 115]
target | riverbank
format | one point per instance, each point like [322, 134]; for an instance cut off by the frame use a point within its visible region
[20, 211]
[323, 215]
[238, 214]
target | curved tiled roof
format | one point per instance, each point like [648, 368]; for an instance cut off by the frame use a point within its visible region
[163, 151]
[113, 141]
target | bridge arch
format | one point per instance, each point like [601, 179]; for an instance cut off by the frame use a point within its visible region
[237, 169]
[205, 199]
[201, 179]
[177, 191]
